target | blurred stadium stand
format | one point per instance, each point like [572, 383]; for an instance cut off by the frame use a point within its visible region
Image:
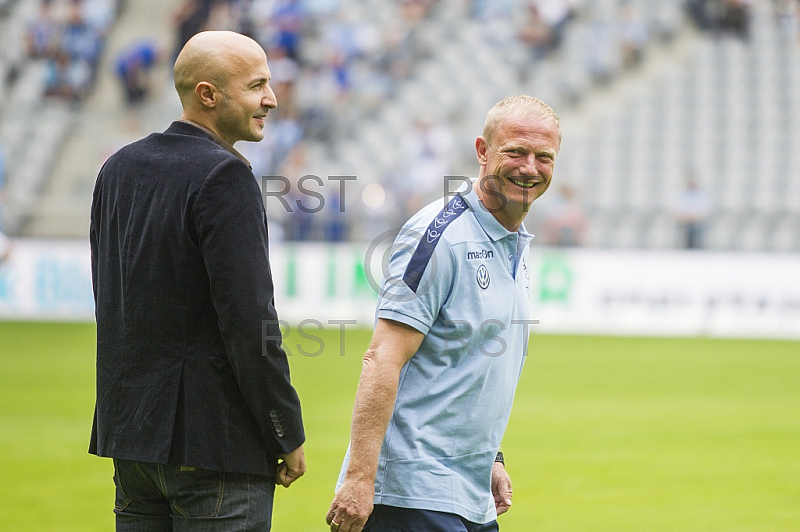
[34, 128]
[721, 105]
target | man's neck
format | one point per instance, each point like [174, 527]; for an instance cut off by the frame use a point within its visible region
[216, 138]
[505, 214]
[204, 124]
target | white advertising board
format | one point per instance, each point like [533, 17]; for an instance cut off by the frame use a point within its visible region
[667, 293]
[572, 291]
[47, 280]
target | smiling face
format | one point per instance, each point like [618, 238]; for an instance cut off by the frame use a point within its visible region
[246, 99]
[516, 165]
[222, 79]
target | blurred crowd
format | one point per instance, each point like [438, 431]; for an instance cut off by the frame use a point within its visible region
[734, 17]
[333, 67]
[323, 59]
[70, 37]
[722, 16]
[328, 61]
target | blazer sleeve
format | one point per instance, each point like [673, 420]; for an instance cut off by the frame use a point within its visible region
[230, 225]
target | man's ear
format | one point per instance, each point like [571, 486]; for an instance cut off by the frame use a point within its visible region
[481, 146]
[207, 94]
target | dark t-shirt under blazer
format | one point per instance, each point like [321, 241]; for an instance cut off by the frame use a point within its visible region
[189, 365]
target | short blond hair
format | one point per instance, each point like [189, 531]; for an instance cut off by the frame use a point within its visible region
[519, 105]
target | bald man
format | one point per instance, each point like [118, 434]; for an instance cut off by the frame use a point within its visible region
[194, 399]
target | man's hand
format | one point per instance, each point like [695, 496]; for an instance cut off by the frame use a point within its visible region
[292, 467]
[351, 506]
[501, 488]
[392, 346]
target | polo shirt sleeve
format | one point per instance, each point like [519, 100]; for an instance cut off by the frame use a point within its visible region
[417, 284]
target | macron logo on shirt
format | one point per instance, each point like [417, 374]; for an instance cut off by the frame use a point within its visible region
[480, 255]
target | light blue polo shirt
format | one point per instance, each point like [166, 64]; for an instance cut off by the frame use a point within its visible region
[458, 276]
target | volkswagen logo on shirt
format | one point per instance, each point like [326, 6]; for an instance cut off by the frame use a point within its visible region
[482, 276]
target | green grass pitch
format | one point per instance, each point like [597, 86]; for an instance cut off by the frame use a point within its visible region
[607, 434]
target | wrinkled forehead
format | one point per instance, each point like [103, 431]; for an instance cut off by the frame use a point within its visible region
[529, 129]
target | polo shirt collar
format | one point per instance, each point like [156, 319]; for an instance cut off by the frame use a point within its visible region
[216, 138]
[487, 221]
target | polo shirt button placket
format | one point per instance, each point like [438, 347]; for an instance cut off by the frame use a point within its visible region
[511, 245]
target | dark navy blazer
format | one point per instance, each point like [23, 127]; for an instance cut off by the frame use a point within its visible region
[189, 365]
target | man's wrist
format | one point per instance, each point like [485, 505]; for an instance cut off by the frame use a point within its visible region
[500, 458]
[358, 474]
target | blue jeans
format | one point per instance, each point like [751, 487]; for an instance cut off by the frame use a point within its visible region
[393, 519]
[163, 498]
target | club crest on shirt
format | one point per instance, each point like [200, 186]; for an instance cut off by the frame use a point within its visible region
[482, 276]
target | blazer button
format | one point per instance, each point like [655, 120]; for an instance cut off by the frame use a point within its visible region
[276, 423]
